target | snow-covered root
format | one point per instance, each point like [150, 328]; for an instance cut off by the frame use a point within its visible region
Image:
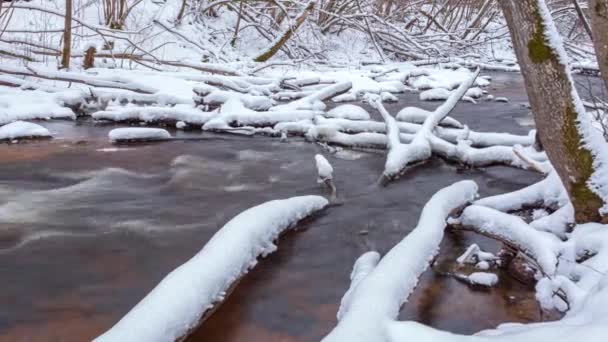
[178, 304]
[542, 247]
[400, 156]
[375, 299]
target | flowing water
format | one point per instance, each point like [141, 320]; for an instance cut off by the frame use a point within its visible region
[87, 229]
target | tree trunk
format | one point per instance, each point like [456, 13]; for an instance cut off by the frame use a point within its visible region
[182, 11]
[67, 36]
[598, 11]
[554, 101]
[276, 46]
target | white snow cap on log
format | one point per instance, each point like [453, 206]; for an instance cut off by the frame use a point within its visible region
[138, 134]
[324, 168]
[179, 301]
[22, 129]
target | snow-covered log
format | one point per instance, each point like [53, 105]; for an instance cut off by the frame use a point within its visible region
[157, 115]
[547, 193]
[65, 76]
[378, 296]
[541, 246]
[477, 139]
[400, 156]
[179, 302]
[315, 100]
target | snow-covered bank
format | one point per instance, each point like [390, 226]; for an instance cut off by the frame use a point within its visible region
[177, 304]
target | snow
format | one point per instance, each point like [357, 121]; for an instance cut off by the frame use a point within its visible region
[348, 111]
[324, 168]
[22, 129]
[138, 134]
[483, 278]
[178, 302]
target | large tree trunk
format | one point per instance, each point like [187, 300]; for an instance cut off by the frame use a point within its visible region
[554, 101]
[598, 11]
[67, 36]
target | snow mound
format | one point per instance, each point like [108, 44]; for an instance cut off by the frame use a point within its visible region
[348, 111]
[138, 134]
[178, 302]
[435, 94]
[22, 129]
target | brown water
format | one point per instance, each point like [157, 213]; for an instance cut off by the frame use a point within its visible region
[87, 232]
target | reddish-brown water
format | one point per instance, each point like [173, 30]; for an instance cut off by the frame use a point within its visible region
[86, 233]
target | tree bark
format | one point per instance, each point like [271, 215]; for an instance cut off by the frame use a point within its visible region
[598, 11]
[553, 99]
[67, 36]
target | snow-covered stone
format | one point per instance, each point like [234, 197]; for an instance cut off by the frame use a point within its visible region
[324, 168]
[138, 134]
[23, 130]
[348, 111]
[436, 94]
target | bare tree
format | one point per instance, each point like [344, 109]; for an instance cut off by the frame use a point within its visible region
[67, 36]
[598, 10]
[554, 103]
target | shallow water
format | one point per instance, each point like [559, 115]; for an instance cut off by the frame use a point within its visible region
[88, 229]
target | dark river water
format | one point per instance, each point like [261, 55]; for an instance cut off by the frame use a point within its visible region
[87, 229]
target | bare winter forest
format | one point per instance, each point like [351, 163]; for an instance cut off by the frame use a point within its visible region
[294, 171]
